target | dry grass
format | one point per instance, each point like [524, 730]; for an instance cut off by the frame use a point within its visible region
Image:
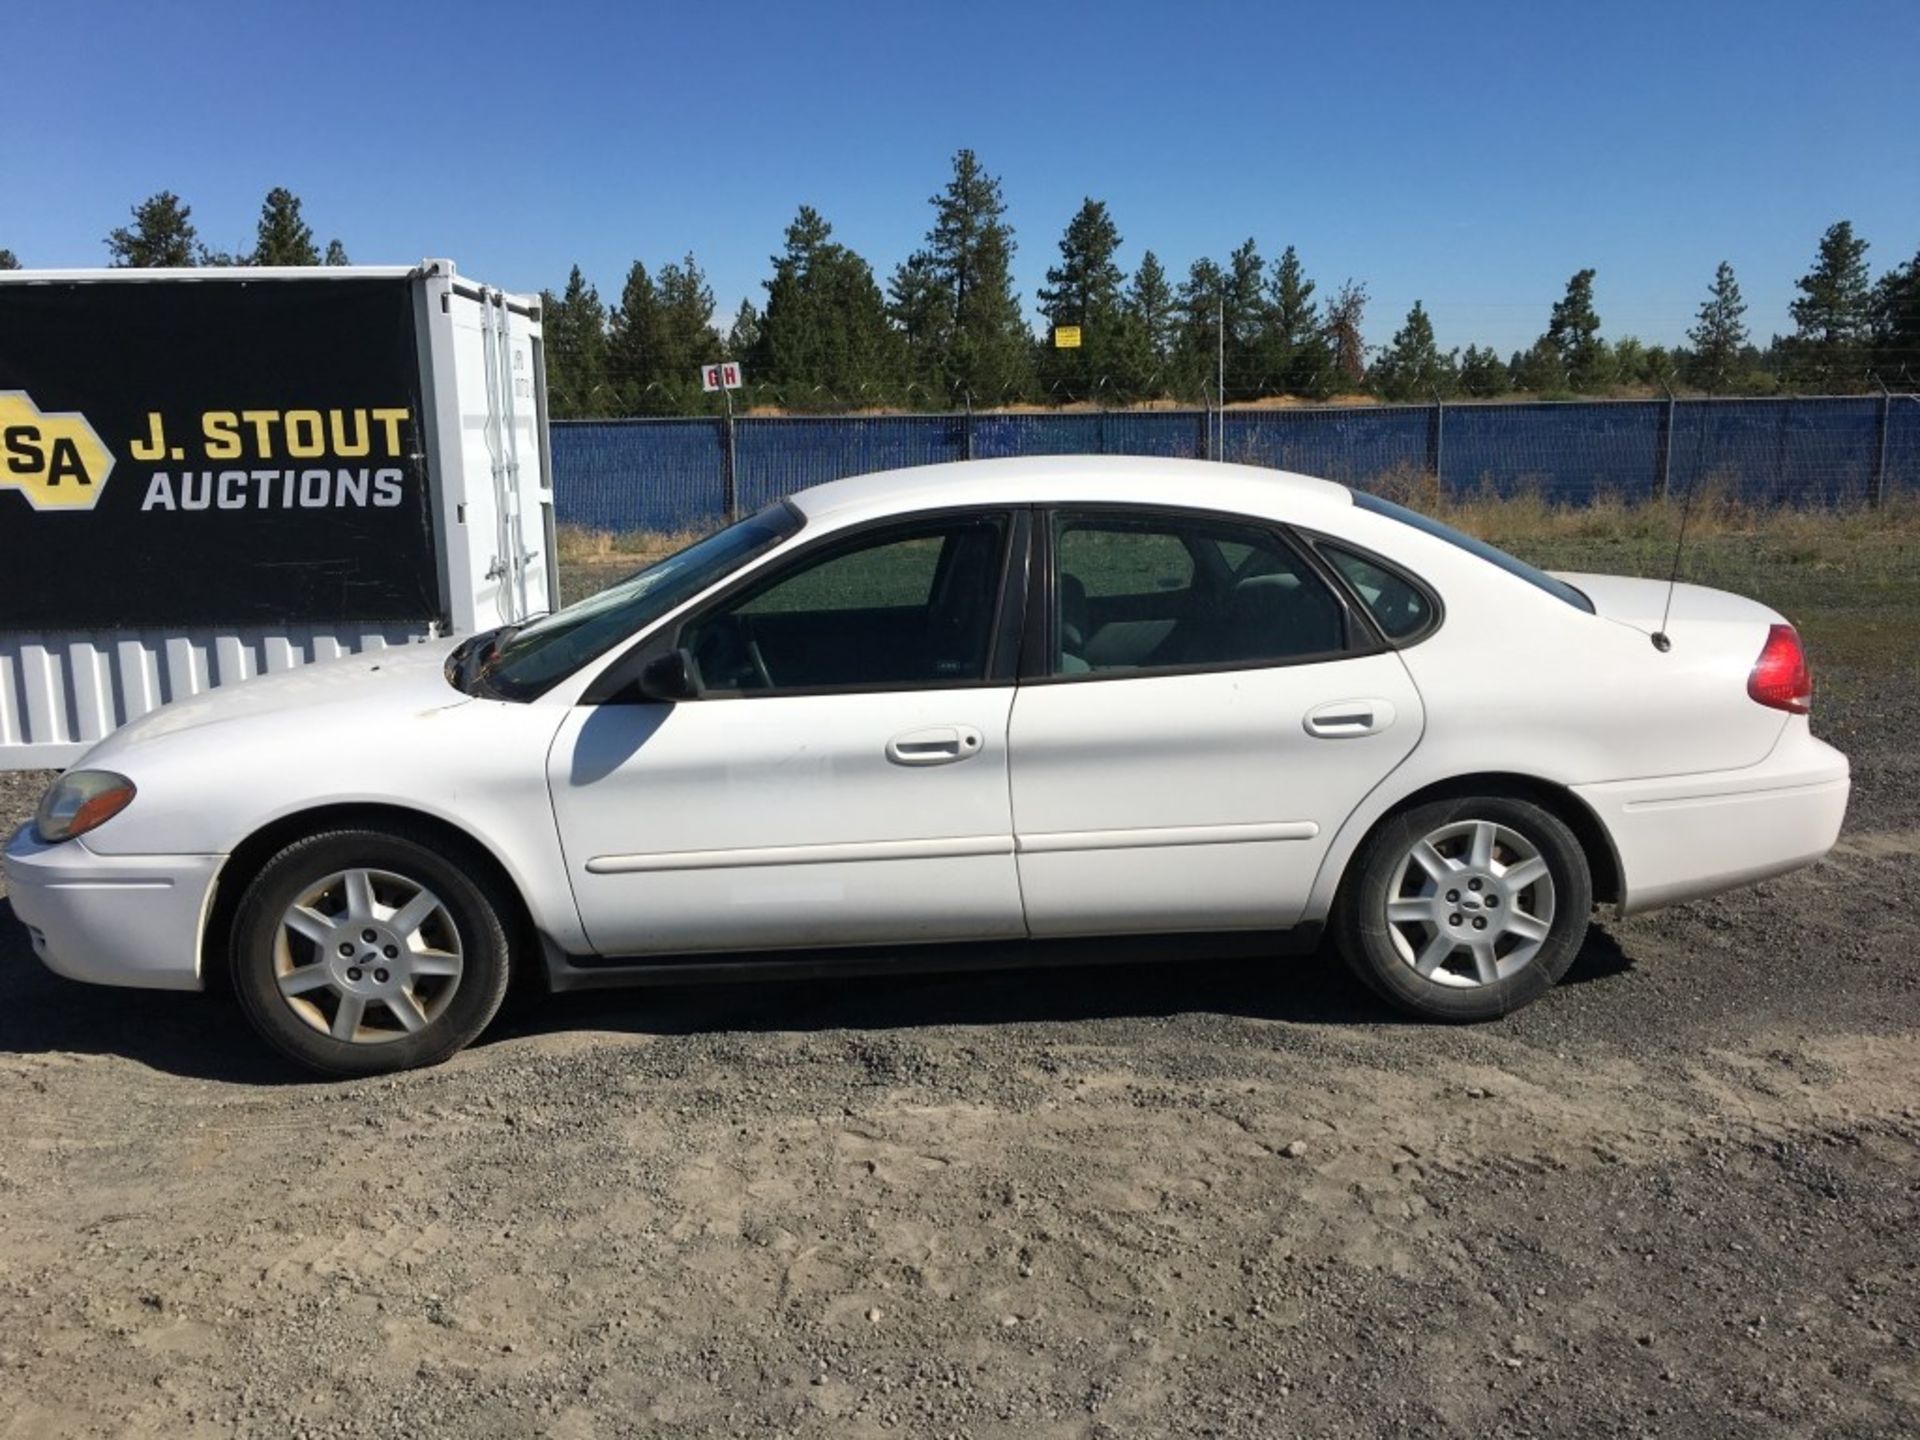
[1529, 518]
[579, 545]
[1848, 577]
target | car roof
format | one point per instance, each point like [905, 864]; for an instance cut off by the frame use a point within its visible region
[1077, 480]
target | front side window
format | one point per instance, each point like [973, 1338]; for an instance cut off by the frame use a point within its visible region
[536, 656]
[907, 606]
[1136, 593]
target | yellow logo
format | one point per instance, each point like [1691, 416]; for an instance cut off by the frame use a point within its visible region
[56, 460]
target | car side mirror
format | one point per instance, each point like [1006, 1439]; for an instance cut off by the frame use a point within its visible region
[670, 677]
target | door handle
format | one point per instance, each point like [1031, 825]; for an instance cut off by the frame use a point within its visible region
[936, 745]
[1344, 719]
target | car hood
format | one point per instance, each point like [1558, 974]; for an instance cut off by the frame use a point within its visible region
[406, 680]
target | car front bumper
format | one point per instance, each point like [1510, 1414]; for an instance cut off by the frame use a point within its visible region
[111, 919]
[1679, 837]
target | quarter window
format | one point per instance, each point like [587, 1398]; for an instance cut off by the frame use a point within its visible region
[1397, 606]
[911, 605]
[1164, 592]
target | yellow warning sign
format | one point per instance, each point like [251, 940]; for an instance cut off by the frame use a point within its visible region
[1066, 337]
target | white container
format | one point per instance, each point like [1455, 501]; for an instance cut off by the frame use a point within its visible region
[126, 582]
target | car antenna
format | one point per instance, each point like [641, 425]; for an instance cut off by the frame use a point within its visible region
[1661, 641]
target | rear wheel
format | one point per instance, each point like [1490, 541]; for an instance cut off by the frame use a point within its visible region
[1466, 909]
[358, 952]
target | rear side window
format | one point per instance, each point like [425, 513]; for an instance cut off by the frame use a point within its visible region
[1398, 606]
[1559, 589]
[1111, 562]
[1142, 592]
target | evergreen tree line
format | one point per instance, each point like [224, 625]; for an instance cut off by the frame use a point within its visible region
[948, 330]
[162, 236]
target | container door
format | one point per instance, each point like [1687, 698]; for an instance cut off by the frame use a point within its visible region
[497, 500]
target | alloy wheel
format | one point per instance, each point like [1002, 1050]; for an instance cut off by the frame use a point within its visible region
[1470, 904]
[367, 956]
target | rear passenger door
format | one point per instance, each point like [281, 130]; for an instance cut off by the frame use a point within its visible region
[1199, 712]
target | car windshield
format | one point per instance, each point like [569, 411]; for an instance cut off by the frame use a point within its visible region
[1559, 589]
[530, 660]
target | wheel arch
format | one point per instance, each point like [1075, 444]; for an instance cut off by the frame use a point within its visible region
[1603, 860]
[250, 856]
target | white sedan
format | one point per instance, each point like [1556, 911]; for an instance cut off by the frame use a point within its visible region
[964, 714]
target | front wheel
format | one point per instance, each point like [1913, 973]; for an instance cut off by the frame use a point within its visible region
[358, 952]
[1466, 909]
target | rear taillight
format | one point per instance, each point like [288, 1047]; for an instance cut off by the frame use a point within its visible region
[1781, 677]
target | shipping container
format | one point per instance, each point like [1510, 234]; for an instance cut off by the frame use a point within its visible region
[206, 474]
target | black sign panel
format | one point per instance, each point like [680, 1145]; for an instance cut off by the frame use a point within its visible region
[212, 453]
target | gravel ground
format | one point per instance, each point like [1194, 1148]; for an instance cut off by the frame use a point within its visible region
[1676, 1197]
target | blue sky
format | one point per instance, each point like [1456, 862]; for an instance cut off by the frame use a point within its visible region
[1471, 155]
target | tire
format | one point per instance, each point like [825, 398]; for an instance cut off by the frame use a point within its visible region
[361, 952]
[1469, 957]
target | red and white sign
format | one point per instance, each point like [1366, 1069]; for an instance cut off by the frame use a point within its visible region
[724, 376]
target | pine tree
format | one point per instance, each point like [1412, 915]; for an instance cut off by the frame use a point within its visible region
[634, 345]
[283, 238]
[1630, 361]
[1574, 331]
[1483, 373]
[1541, 370]
[744, 333]
[1150, 302]
[1896, 324]
[1719, 335]
[576, 338]
[1411, 365]
[688, 341]
[1201, 310]
[963, 277]
[1084, 290]
[916, 305]
[8, 260]
[1296, 352]
[1244, 292]
[1223, 308]
[826, 323]
[161, 236]
[336, 254]
[1346, 313]
[1828, 349]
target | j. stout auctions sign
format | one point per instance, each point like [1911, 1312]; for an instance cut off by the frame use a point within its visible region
[212, 453]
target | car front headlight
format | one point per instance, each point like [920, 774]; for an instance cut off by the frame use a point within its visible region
[79, 801]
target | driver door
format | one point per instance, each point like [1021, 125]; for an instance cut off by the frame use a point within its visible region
[842, 777]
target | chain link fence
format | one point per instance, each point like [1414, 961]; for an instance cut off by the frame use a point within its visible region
[684, 474]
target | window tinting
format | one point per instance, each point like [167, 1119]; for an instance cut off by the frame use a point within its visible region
[1125, 562]
[1159, 592]
[906, 606]
[1397, 607]
[539, 654]
[1559, 589]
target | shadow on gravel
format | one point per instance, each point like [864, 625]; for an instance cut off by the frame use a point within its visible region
[198, 1036]
[1311, 989]
[205, 1036]
[1601, 958]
